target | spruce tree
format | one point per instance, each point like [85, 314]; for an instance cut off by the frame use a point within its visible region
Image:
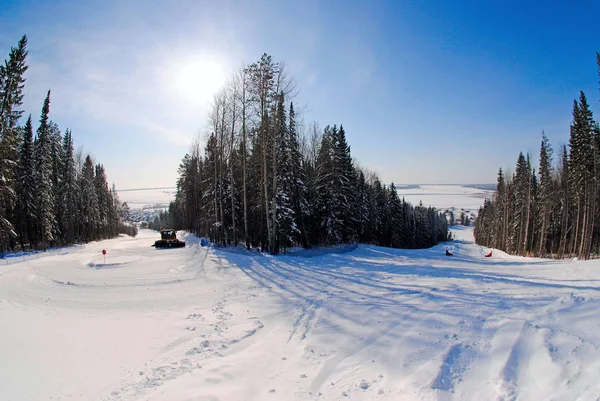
[90, 213]
[501, 212]
[546, 189]
[298, 182]
[565, 206]
[327, 212]
[26, 190]
[363, 216]
[380, 213]
[56, 176]
[43, 179]
[344, 196]
[394, 209]
[11, 99]
[211, 189]
[582, 175]
[284, 219]
[68, 191]
[104, 201]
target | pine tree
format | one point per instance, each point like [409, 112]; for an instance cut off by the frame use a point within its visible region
[11, 98]
[519, 199]
[211, 188]
[363, 215]
[394, 209]
[104, 201]
[26, 190]
[90, 214]
[43, 179]
[545, 194]
[329, 210]
[598, 64]
[565, 203]
[285, 218]
[188, 194]
[68, 191]
[345, 188]
[298, 179]
[582, 177]
[532, 217]
[379, 206]
[501, 212]
[56, 161]
[257, 229]
[327, 229]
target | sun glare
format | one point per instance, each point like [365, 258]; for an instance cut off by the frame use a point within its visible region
[197, 81]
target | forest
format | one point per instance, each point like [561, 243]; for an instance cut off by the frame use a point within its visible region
[264, 180]
[50, 194]
[554, 212]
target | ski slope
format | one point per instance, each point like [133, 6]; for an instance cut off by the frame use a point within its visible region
[365, 323]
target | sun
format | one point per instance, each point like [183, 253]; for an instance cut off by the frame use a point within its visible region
[196, 81]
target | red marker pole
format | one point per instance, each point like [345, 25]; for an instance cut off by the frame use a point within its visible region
[104, 253]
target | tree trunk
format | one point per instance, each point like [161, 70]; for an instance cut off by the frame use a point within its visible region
[575, 239]
[526, 237]
[231, 172]
[216, 205]
[244, 161]
[264, 174]
[274, 247]
[541, 251]
[505, 223]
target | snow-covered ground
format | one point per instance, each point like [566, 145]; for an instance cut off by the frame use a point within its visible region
[366, 323]
[139, 198]
[445, 196]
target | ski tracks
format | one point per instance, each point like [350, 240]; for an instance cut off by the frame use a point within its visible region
[207, 337]
[465, 347]
[308, 311]
[208, 333]
[331, 367]
[523, 359]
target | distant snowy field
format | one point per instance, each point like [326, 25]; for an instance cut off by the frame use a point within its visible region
[445, 196]
[439, 196]
[365, 323]
[138, 198]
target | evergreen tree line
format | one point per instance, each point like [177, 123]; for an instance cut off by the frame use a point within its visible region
[260, 182]
[556, 212]
[50, 195]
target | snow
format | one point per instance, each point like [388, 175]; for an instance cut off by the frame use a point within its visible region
[139, 198]
[445, 196]
[350, 323]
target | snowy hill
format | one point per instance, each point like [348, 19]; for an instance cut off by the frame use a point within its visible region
[369, 324]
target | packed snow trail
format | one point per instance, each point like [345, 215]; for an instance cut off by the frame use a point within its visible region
[369, 323]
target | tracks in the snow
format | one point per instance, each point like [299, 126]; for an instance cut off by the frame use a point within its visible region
[308, 311]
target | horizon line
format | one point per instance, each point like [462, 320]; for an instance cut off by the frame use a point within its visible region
[396, 185]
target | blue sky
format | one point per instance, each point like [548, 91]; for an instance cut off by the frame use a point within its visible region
[427, 91]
